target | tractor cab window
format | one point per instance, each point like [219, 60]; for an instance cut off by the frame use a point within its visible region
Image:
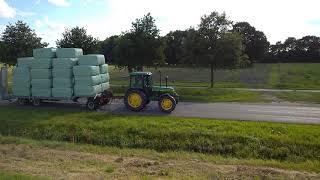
[136, 81]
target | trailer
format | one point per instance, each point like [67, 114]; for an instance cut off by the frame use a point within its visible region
[138, 94]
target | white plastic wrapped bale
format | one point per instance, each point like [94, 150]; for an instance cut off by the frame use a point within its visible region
[62, 73]
[41, 73]
[92, 60]
[88, 81]
[65, 63]
[105, 86]
[41, 63]
[63, 83]
[85, 71]
[104, 78]
[25, 62]
[104, 69]
[44, 53]
[41, 92]
[21, 81]
[41, 83]
[80, 90]
[62, 92]
[69, 52]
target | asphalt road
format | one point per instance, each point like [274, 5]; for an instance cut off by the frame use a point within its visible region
[276, 112]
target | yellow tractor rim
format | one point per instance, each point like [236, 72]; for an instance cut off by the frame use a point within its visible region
[166, 104]
[134, 100]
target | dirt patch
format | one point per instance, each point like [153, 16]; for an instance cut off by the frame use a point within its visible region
[60, 164]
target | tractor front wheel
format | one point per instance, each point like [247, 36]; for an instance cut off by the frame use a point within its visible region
[167, 103]
[135, 100]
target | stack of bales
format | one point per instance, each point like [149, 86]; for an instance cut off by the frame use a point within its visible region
[21, 77]
[105, 78]
[63, 79]
[41, 72]
[88, 80]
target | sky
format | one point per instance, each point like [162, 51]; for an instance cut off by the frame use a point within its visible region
[278, 19]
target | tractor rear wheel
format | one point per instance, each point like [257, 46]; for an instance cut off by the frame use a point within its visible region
[167, 103]
[135, 100]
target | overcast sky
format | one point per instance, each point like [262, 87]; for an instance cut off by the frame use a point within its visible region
[278, 19]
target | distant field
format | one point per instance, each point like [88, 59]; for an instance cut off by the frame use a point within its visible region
[278, 76]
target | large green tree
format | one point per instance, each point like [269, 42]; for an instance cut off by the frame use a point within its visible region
[255, 42]
[205, 46]
[77, 37]
[107, 48]
[18, 40]
[173, 50]
[141, 46]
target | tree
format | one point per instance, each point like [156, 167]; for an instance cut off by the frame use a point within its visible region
[173, 50]
[255, 42]
[78, 38]
[107, 48]
[18, 40]
[205, 48]
[141, 46]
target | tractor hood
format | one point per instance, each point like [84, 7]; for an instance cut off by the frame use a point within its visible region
[163, 89]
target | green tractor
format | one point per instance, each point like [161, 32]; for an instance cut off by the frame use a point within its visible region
[141, 91]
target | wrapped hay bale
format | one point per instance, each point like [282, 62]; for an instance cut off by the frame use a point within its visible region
[86, 71]
[44, 53]
[62, 73]
[104, 69]
[80, 90]
[92, 60]
[88, 81]
[69, 52]
[41, 63]
[65, 63]
[25, 61]
[105, 86]
[62, 92]
[41, 92]
[41, 83]
[104, 78]
[21, 81]
[41, 73]
[63, 82]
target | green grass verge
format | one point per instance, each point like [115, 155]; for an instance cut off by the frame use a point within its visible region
[8, 175]
[209, 94]
[238, 139]
[309, 165]
[311, 97]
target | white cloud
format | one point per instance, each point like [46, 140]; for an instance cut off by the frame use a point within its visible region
[6, 11]
[24, 13]
[49, 30]
[62, 3]
[277, 19]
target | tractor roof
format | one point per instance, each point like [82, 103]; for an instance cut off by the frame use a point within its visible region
[140, 73]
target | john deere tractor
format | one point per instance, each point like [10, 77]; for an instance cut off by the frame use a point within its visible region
[141, 91]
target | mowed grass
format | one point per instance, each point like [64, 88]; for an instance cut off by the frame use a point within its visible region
[8, 175]
[311, 97]
[236, 139]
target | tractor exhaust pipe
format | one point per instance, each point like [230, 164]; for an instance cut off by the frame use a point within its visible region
[166, 81]
[160, 78]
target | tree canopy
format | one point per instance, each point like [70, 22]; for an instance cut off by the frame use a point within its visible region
[141, 46]
[18, 40]
[77, 37]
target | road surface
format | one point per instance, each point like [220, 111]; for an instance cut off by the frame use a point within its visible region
[273, 112]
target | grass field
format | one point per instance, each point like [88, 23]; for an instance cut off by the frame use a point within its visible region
[249, 140]
[278, 76]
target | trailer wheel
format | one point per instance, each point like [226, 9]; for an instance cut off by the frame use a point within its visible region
[36, 102]
[92, 105]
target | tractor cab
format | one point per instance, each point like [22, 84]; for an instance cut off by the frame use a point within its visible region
[141, 91]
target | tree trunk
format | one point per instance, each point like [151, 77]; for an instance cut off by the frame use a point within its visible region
[212, 76]
[130, 69]
[140, 68]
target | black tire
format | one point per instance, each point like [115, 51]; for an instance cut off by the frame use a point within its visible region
[92, 105]
[22, 101]
[36, 102]
[167, 108]
[140, 106]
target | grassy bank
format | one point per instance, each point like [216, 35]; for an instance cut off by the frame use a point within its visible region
[9, 175]
[310, 97]
[257, 140]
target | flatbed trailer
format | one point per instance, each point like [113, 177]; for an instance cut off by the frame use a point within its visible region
[92, 102]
